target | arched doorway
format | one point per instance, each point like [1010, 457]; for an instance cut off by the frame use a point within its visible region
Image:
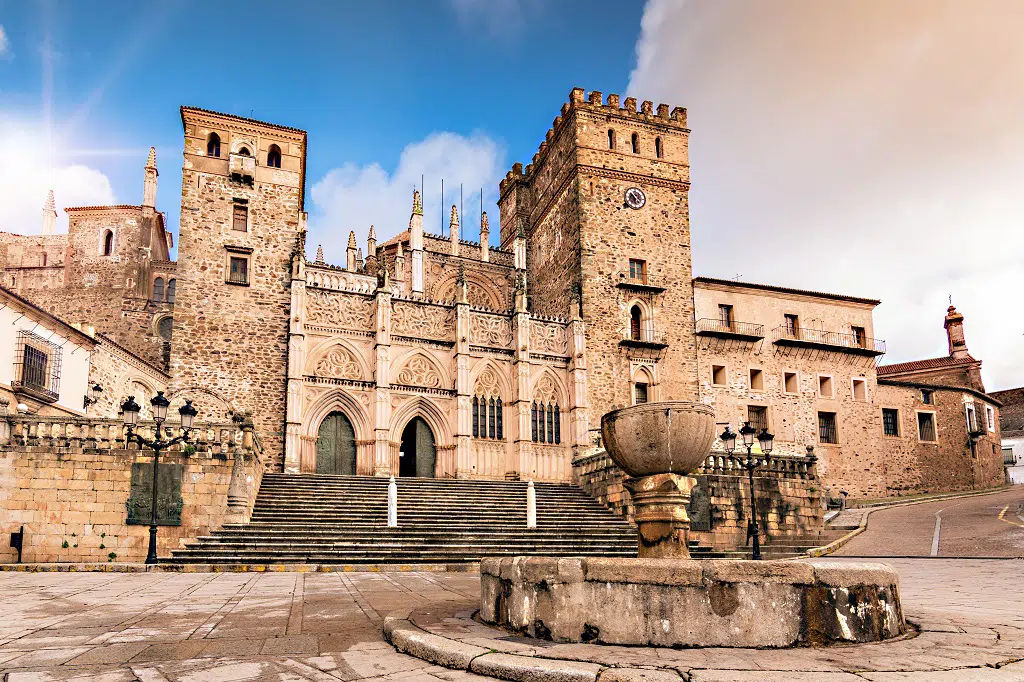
[336, 446]
[418, 456]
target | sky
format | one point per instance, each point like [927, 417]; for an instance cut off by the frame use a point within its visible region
[871, 148]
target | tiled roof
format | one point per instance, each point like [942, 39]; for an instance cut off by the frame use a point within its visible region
[240, 118]
[785, 290]
[919, 365]
[1010, 396]
[69, 209]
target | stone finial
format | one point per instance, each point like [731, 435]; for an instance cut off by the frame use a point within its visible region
[50, 204]
[373, 233]
[151, 159]
[149, 181]
[400, 252]
[371, 243]
[350, 253]
[485, 238]
[49, 214]
[454, 220]
[453, 230]
[319, 254]
[352, 239]
[417, 203]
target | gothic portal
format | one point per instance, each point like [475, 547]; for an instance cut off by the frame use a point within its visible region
[336, 446]
[418, 456]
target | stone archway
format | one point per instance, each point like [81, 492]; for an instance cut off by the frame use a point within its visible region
[418, 454]
[336, 446]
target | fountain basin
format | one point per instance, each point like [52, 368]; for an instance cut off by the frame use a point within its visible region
[681, 602]
[657, 438]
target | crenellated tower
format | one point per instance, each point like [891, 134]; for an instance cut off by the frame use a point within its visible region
[604, 209]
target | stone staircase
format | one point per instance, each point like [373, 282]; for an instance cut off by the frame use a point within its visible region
[321, 519]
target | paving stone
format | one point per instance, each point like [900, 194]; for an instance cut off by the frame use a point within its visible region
[769, 676]
[109, 654]
[530, 669]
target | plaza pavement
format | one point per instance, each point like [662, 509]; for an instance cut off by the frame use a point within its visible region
[190, 627]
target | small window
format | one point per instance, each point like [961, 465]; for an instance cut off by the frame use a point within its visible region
[725, 316]
[635, 319]
[756, 379]
[658, 150]
[158, 289]
[611, 139]
[757, 415]
[108, 243]
[213, 145]
[44, 260]
[860, 337]
[972, 418]
[639, 393]
[170, 290]
[990, 418]
[244, 151]
[825, 386]
[827, 428]
[789, 382]
[638, 270]
[793, 326]
[634, 142]
[239, 270]
[890, 422]
[164, 327]
[35, 372]
[274, 156]
[926, 397]
[718, 375]
[860, 389]
[926, 426]
[240, 218]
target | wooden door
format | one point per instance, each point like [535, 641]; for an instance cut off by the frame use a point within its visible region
[336, 446]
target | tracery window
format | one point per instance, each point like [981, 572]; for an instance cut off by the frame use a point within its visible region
[546, 423]
[488, 420]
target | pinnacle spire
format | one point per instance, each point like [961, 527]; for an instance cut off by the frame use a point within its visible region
[417, 202]
[373, 233]
[151, 161]
[49, 214]
[454, 220]
[49, 205]
[319, 254]
[352, 239]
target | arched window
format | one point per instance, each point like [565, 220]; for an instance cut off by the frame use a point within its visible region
[244, 151]
[476, 417]
[611, 139]
[170, 290]
[550, 431]
[213, 145]
[546, 423]
[158, 289]
[165, 328]
[488, 420]
[658, 151]
[635, 143]
[274, 156]
[534, 431]
[108, 243]
[635, 317]
[501, 426]
[558, 426]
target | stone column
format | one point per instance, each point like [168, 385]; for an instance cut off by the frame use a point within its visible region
[296, 362]
[663, 526]
[523, 446]
[578, 418]
[238, 491]
[381, 417]
[463, 426]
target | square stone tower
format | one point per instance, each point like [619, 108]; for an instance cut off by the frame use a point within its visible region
[604, 209]
[242, 221]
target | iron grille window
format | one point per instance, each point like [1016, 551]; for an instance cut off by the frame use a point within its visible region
[37, 365]
[757, 415]
[640, 393]
[926, 426]
[890, 422]
[239, 273]
[827, 428]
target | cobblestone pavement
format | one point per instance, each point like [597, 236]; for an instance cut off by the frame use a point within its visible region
[158, 627]
[982, 525]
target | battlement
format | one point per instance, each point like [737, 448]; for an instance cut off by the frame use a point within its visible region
[613, 106]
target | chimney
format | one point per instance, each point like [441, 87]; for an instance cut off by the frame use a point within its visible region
[955, 333]
[149, 184]
[49, 214]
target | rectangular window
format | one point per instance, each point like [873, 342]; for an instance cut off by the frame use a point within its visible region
[972, 418]
[757, 415]
[1008, 456]
[35, 372]
[793, 326]
[789, 382]
[638, 270]
[240, 218]
[926, 397]
[756, 380]
[827, 428]
[860, 337]
[639, 393]
[718, 376]
[825, 386]
[239, 270]
[926, 426]
[860, 389]
[725, 316]
[990, 418]
[890, 422]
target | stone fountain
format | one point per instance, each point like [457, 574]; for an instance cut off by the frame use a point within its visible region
[664, 598]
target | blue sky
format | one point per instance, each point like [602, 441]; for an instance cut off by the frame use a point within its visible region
[870, 148]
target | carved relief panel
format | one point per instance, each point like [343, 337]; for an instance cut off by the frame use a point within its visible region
[329, 309]
[548, 337]
[422, 321]
[490, 330]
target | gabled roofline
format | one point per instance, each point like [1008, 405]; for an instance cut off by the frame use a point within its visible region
[940, 387]
[786, 290]
[80, 336]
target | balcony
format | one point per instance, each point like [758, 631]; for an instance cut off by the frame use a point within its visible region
[242, 168]
[652, 340]
[36, 390]
[855, 344]
[743, 331]
[646, 283]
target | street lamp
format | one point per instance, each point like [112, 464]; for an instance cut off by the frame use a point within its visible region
[92, 396]
[131, 409]
[748, 433]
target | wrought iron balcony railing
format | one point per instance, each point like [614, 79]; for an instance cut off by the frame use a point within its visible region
[707, 326]
[647, 339]
[819, 338]
[644, 283]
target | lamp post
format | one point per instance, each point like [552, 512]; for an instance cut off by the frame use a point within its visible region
[748, 433]
[130, 408]
[92, 396]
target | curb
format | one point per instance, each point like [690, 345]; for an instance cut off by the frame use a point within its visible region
[836, 545]
[236, 568]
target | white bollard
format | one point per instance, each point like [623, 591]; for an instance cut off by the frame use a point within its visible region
[392, 503]
[531, 506]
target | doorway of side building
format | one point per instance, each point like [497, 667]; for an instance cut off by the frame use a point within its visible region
[336, 446]
[418, 456]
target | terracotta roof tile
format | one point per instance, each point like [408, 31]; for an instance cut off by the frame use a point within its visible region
[69, 209]
[786, 290]
[240, 118]
[918, 365]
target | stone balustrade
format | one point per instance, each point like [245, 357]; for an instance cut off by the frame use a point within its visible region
[785, 466]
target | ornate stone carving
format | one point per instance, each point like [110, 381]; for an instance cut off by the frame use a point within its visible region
[490, 330]
[420, 371]
[424, 321]
[548, 338]
[487, 384]
[546, 391]
[328, 309]
[339, 362]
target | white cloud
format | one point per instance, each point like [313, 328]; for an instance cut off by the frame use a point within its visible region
[5, 44]
[497, 18]
[28, 172]
[869, 148]
[353, 197]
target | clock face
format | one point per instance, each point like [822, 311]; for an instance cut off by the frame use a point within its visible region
[635, 197]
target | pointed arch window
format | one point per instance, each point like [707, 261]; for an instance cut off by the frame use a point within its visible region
[634, 142]
[488, 417]
[659, 151]
[158, 289]
[546, 422]
[635, 322]
[213, 145]
[274, 156]
[476, 417]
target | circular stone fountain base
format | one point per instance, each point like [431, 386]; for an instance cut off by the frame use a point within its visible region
[686, 603]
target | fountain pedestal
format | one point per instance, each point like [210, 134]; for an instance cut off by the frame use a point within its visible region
[663, 526]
